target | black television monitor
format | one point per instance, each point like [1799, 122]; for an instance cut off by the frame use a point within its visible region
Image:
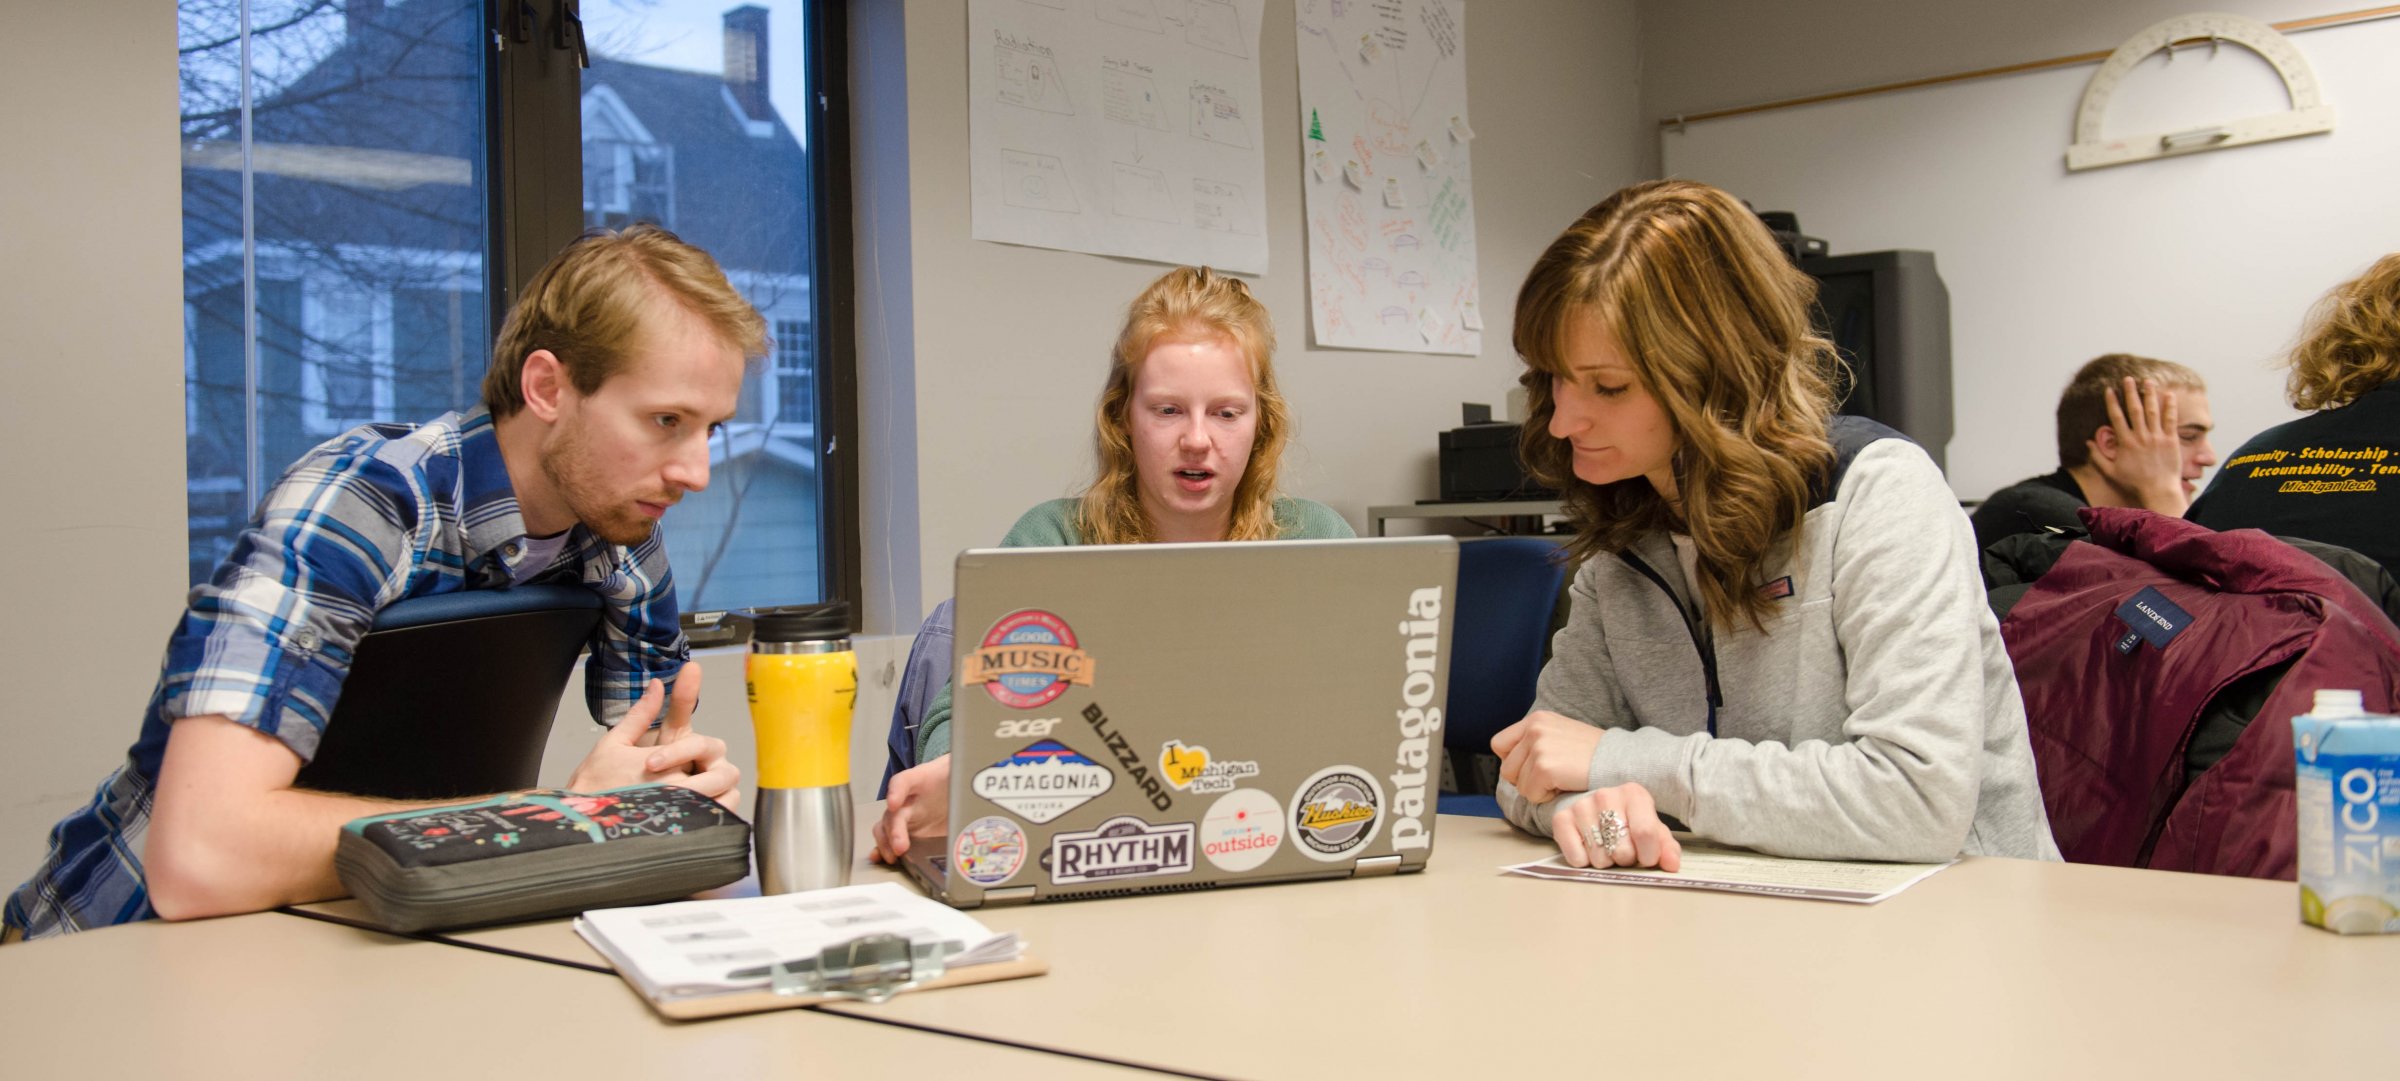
[1889, 316]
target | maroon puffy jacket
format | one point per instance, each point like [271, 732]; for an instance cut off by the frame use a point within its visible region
[2109, 724]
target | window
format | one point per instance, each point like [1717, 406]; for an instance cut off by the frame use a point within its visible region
[354, 227]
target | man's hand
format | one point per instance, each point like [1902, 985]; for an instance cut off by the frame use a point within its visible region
[2143, 456]
[1546, 754]
[631, 754]
[918, 805]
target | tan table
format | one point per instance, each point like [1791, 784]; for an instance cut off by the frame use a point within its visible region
[274, 996]
[1993, 968]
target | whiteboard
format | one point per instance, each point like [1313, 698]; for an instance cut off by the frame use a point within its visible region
[2211, 260]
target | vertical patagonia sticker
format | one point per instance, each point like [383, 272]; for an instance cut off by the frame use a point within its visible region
[2150, 617]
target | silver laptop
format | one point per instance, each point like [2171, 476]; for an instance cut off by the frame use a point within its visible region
[1140, 718]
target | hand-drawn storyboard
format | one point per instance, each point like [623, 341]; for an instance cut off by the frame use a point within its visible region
[1384, 162]
[1119, 127]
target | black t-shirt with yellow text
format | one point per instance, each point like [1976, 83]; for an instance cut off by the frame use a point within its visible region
[2331, 476]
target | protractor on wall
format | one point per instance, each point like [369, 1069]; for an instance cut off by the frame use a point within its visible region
[2309, 114]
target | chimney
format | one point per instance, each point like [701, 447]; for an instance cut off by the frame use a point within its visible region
[746, 59]
[361, 16]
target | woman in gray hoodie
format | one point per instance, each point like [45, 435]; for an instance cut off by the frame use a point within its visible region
[1777, 634]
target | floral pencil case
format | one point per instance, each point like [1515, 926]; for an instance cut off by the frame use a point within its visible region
[534, 854]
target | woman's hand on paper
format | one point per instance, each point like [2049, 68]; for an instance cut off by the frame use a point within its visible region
[1546, 754]
[1645, 841]
[917, 805]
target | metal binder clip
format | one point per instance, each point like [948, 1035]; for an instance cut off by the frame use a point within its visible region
[870, 969]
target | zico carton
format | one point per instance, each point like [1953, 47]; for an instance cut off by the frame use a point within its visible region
[2348, 784]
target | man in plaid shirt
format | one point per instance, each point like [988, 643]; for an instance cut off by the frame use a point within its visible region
[611, 372]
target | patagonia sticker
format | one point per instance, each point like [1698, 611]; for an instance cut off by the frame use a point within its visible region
[1027, 660]
[989, 850]
[1190, 769]
[1122, 847]
[1336, 812]
[1241, 830]
[1043, 781]
[2152, 618]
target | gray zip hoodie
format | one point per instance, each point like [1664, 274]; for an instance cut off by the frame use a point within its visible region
[1876, 718]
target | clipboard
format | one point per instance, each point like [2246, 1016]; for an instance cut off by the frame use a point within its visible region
[870, 970]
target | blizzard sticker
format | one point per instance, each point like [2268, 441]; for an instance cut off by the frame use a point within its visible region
[1241, 829]
[1128, 758]
[1043, 781]
[1336, 812]
[989, 850]
[1122, 847]
[1190, 769]
[1027, 660]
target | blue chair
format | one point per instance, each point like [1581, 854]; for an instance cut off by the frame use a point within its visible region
[1508, 591]
[451, 695]
[927, 672]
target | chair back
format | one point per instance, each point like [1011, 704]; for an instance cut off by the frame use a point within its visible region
[1507, 592]
[927, 672]
[452, 695]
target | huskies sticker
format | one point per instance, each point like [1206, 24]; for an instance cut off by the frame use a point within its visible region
[989, 851]
[1336, 812]
[1122, 847]
[1043, 781]
[1027, 660]
[1190, 769]
[1241, 830]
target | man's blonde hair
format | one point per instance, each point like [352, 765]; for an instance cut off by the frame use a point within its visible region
[587, 305]
[2083, 406]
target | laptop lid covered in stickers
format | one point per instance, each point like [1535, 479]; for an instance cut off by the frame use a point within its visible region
[1138, 718]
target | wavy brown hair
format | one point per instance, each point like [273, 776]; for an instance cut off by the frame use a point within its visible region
[1714, 320]
[2352, 344]
[588, 304]
[1186, 304]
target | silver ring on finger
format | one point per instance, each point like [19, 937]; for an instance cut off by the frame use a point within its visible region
[1593, 846]
[1609, 833]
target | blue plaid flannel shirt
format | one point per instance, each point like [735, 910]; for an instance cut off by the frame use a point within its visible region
[376, 515]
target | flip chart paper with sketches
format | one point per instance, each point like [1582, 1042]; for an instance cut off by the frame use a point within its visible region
[1119, 127]
[1384, 162]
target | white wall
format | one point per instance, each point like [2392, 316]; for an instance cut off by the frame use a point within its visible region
[1010, 343]
[2210, 259]
[91, 421]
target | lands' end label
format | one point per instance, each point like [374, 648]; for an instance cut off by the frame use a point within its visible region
[2153, 617]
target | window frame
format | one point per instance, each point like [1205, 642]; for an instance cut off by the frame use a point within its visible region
[534, 129]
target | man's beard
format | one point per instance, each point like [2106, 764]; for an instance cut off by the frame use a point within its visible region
[568, 465]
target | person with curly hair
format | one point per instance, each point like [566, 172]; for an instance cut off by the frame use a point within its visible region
[1777, 634]
[2334, 475]
[1189, 431]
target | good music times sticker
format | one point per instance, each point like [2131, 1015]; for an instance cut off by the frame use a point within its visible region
[1336, 812]
[1027, 660]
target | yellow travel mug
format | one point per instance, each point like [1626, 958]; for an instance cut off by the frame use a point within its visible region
[803, 683]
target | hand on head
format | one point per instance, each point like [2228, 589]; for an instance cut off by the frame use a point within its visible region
[631, 753]
[2142, 452]
[918, 805]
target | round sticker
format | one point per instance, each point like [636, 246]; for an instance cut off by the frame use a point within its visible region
[989, 851]
[1336, 812]
[1037, 683]
[1242, 829]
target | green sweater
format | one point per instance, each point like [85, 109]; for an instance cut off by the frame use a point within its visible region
[1052, 525]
